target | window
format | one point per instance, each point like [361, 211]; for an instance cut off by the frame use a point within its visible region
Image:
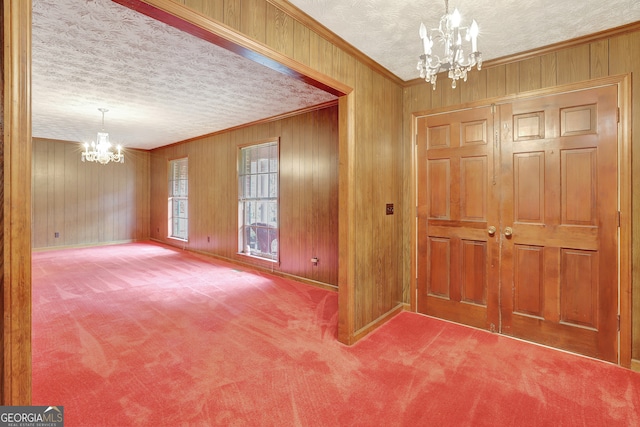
[258, 200]
[178, 199]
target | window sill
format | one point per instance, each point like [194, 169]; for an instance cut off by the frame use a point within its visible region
[178, 239]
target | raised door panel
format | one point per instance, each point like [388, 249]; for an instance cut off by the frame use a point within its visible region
[439, 267]
[528, 283]
[473, 191]
[439, 172]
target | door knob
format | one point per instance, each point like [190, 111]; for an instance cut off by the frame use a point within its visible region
[508, 232]
[491, 230]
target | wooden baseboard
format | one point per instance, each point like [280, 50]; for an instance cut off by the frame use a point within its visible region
[635, 365]
[264, 269]
[362, 332]
[85, 245]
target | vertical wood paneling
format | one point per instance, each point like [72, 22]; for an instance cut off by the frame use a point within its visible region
[70, 194]
[308, 192]
[365, 255]
[294, 196]
[421, 98]
[548, 70]
[377, 205]
[127, 216]
[288, 195]
[395, 194]
[300, 43]
[436, 94]
[92, 204]
[344, 67]
[475, 87]
[573, 64]
[280, 34]
[213, 9]
[232, 13]
[496, 81]
[307, 195]
[57, 166]
[530, 74]
[40, 229]
[599, 56]
[512, 78]
[253, 19]
[108, 199]
[87, 203]
[450, 96]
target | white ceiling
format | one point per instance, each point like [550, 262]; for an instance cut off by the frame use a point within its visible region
[387, 30]
[162, 85]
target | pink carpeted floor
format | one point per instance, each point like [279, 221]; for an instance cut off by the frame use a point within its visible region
[145, 335]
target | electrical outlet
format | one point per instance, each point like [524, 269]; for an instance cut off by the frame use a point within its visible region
[208, 239]
[389, 208]
[56, 234]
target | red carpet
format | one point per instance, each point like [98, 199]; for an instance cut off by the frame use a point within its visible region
[144, 335]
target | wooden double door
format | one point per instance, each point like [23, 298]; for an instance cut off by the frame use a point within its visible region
[518, 219]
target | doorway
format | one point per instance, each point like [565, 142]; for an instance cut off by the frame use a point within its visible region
[518, 217]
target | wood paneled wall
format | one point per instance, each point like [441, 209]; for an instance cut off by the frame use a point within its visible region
[308, 193]
[375, 247]
[87, 203]
[606, 57]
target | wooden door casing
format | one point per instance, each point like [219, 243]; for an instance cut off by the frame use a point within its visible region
[559, 195]
[457, 256]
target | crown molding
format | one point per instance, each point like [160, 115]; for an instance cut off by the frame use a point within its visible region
[255, 123]
[333, 38]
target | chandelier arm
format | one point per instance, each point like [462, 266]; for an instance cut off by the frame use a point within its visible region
[101, 150]
[451, 40]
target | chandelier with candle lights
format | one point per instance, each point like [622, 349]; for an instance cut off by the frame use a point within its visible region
[100, 151]
[444, 49]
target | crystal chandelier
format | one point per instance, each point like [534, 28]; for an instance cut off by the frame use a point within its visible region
[448, 36]
[101, 148]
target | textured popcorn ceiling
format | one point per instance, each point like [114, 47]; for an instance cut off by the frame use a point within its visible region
[160, 84]
[387, 30]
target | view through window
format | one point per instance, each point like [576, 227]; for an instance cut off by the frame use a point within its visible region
[178, 199]
[258, 200]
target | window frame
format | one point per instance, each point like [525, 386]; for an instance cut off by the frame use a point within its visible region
[273, 233]
[172, 198]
